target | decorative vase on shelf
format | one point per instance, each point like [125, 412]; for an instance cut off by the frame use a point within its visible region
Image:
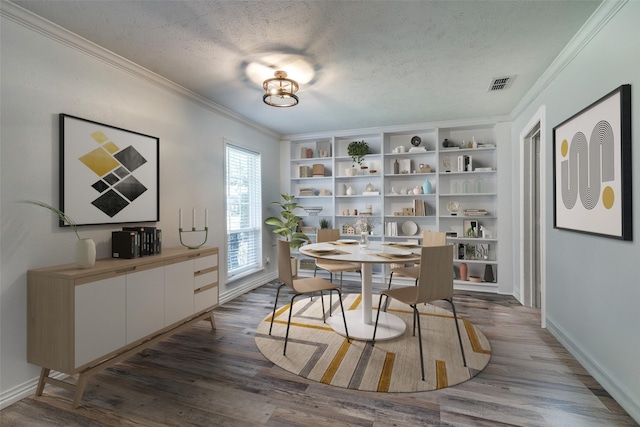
[463, 271]
[351, 171]
[488, 273]
[85, 253]
[426, 187]
[350, 191]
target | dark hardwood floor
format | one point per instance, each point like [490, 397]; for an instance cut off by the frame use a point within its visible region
[205, 378]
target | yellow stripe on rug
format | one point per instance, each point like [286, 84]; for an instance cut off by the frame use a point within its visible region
[473, 338]
[441, 374]
[335, 363]
[387, 370]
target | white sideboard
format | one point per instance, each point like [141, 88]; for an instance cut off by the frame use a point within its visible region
[80, 321]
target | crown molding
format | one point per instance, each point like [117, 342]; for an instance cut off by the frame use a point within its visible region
[61, 35]
[598, 20]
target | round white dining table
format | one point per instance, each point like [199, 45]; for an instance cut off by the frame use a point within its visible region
[360, 321]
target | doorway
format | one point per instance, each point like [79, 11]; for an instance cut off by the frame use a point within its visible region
[532, 213]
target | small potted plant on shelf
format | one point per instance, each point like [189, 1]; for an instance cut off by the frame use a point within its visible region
[357, 150]
[324, 223]
[287, 226]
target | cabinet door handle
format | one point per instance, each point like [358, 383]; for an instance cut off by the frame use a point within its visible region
[194, 255]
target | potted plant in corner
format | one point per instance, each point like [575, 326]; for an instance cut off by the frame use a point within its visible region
[357, 150]
[287, 226]
[85, 251]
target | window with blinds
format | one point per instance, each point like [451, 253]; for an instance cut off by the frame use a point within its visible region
[244, 211]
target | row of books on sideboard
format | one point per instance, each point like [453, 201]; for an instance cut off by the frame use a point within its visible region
[136, 242]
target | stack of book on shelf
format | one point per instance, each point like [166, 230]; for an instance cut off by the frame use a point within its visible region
[306, 192]
[465, 163]
[135, 242]
[475, 212]
[391, 228]
[419, 208]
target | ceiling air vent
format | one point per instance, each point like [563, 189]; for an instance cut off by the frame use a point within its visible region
[501, 83]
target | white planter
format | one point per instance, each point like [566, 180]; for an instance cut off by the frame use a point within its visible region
[85, 253]
[351, 171]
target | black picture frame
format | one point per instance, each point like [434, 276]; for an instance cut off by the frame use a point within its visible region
[599, 202]
[108, 175]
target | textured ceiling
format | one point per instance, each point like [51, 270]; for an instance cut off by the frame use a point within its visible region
[375, 63]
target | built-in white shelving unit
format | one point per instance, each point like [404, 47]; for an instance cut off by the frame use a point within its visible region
[321, 175]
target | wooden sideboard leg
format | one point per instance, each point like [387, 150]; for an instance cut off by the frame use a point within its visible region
[213, 321]
[82, 382]
[44, 373]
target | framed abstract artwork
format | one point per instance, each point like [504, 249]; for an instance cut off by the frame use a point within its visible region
[108, 175]
[592, 168]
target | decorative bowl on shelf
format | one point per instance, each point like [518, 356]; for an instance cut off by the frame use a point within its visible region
[313, 210]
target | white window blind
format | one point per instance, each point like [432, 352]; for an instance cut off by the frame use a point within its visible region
[244, 211]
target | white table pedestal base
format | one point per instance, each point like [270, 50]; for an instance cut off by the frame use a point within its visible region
[389, 326]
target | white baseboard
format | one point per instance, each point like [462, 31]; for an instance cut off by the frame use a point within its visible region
[247, 286]
[19, 392]
[620, 394]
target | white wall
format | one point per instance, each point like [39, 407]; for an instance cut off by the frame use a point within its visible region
[592, 285]
[42, 77]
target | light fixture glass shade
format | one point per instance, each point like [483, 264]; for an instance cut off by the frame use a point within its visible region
[280, 91]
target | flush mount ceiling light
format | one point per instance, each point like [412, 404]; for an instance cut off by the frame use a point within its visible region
[280, 91]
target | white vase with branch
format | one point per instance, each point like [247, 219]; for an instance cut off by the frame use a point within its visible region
[85, 250]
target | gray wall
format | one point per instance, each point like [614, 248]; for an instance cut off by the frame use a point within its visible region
[592, 283]
[42, 77]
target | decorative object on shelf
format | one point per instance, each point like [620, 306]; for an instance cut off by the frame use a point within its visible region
[313, 210]
[396, 167]
[350, 191]
[85, 249]
[479, 184]
[447, 144]
[350, 171]
[393, 191]
[470, 227]
[463, 271]
[475, 279]
[304, 171]
[288, 223]
[427, 188]
[446, 163]
[488, 273]
[455, 187]
[318, 170]
[466, 187]
[108, 175]
[342, 190]
[482, 251]
[409, 228]
[325, 192]
[453, 207]
[370, 187]
[193, 228]
[280, 91]
[324, 223]
[422, 168]
[416, 140]
[357, 150]
[306, 192]
[599, 201]
[417, 190]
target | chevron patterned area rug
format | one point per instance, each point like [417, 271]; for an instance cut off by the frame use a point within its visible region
[318, 353]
